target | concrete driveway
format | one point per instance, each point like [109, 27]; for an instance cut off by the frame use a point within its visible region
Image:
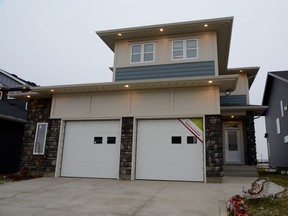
[86, 197]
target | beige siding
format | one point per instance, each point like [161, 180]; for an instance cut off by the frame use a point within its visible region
[207, 50]
[242, 87]
[165, 103]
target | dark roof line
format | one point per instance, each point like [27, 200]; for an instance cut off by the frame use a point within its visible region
[281, 75]
[276, 75]
[18, 79]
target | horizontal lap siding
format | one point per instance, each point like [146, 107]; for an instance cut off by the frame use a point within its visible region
[233, 100]
[206, 68]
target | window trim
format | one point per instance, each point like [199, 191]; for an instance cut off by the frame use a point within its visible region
[44, 139]
[184, 50]
[142, 53]
[278, 128]
[281, 108]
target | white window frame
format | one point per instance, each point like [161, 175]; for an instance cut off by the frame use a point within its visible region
[286, 139]
[1, 95]
[36, 150]
[282, 108]
[278, 129]
[142, 53]
[184, 50]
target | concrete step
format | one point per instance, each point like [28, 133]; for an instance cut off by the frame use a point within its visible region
[241, 171]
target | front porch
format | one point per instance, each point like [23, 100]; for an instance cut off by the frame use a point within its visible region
[240, 171]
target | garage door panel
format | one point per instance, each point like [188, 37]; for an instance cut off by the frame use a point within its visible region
[177, 174]
[83, 157]
[157, 156]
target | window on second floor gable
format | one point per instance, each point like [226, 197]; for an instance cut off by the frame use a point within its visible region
[185, 49]
[142, 53]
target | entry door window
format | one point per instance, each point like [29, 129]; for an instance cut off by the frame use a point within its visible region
[232, 141]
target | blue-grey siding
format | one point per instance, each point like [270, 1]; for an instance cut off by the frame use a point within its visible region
[205, 68]
[233, 100]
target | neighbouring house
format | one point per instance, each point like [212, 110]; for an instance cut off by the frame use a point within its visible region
[173, 111]
[276, 119]
[13, 115]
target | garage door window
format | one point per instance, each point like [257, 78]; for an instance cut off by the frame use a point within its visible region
[111, 140]
[40, 139]
[98, 140]
[191, 140]
[176, 140]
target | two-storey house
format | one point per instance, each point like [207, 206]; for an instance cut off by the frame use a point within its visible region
[173, 111]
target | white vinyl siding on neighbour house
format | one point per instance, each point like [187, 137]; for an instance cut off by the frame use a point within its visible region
[185, 49]
[142, 53]
[40, 139]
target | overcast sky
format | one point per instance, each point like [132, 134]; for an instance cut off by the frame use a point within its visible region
[53, 42]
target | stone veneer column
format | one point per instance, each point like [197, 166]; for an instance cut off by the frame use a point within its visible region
[251, 140]
[214, 148]
[39, 111]
[126, 148]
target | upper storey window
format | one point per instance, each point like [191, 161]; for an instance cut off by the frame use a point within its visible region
[142, 52]
[185, 49]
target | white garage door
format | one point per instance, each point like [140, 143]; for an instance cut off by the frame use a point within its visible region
[91, 149]
[168, 150]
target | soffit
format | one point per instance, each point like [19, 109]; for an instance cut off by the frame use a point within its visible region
[250, 71]
[224, 83]
[257, 110]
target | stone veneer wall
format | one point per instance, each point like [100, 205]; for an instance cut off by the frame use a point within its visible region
[214, 148]
[251, 140]
[39, 111]
[126, 148]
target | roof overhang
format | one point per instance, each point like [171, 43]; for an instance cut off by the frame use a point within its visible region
[14, 119]
[224, 82]
[251, 72]
[268, 85]
[222, 27]
[257, 110]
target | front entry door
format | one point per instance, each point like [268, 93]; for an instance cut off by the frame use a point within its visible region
[232, 143]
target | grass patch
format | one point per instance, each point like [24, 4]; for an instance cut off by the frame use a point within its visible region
[271, 205]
